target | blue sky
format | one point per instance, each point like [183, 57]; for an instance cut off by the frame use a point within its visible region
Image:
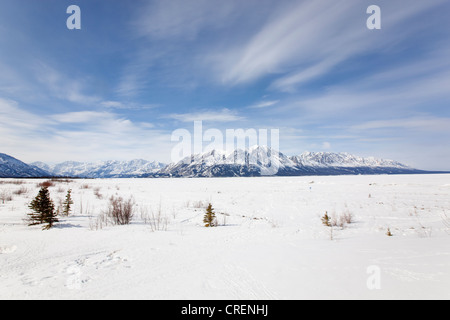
[138, 70]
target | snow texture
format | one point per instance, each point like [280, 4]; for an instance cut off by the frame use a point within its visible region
[270, 242]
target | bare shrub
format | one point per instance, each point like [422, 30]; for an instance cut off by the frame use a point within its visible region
[5, 196]
[84, 186]
[46, 184]
[334, 220]
[97, 193]
[16, 182]
[61, 180]
[340, 220]
[20, 191]
[120, 211]
[154, 218]
[224, 218]
[347, 217]
[200, 204]
[98, 222]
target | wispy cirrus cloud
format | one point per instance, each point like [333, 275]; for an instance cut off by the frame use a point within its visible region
[224, 115]
[292, 34]
[264, 104]
[162, 19]
[74, 135]
[307, 39]
[310, 66]
[125, 105]
[63, 87]
[423, 123]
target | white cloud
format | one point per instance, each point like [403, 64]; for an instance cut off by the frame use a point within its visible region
[294, 35]
[326, 145]
[12, 117]
[78, 136]
[127, 105]
[427, 123]
[224, 115]
[82, 117]
[63, 87]
[309, 38]
[183, 20]
[264, 104]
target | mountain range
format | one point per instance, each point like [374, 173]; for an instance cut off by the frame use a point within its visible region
[256, 161]
[101, 169]
[12, 168]
[261, 161]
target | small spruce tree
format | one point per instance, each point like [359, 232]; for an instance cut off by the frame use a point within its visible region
[326, 220]
[210, 217]
[67, 203]
[389, 233]
[43, 210]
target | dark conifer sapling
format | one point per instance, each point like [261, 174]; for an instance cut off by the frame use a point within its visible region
[43, 210]
[210, 217]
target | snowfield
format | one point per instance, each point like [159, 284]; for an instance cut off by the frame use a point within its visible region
[270, 242]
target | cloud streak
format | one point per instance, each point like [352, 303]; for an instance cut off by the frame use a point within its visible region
[224, 115]
[78, 136]
[307, 40]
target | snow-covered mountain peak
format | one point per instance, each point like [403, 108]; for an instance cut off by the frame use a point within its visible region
[12, 168]
[103, 169]
[253, 161]
[263, 160]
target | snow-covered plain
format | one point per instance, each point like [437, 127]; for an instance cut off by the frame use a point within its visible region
[271, 243]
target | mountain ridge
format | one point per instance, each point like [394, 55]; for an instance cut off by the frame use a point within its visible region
[251, 162]
[263, 161]
[11, 167]
[102, 169]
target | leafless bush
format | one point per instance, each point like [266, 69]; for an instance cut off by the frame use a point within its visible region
[60, 190]
[20, 191]
[97, 193]
[334, 220]
[154, 218]
[16, 182]
[119, 211]
[61, 180]
[340, 220]
[200, 204]
[5, 196]
[98, 222]
[84, 186]
[347, 217]
[46, 184]
[224, 218]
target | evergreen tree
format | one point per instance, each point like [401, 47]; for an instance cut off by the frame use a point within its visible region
[326, 220]
[389, 233]
[43, 210]
[210, 217]
[67, 203]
